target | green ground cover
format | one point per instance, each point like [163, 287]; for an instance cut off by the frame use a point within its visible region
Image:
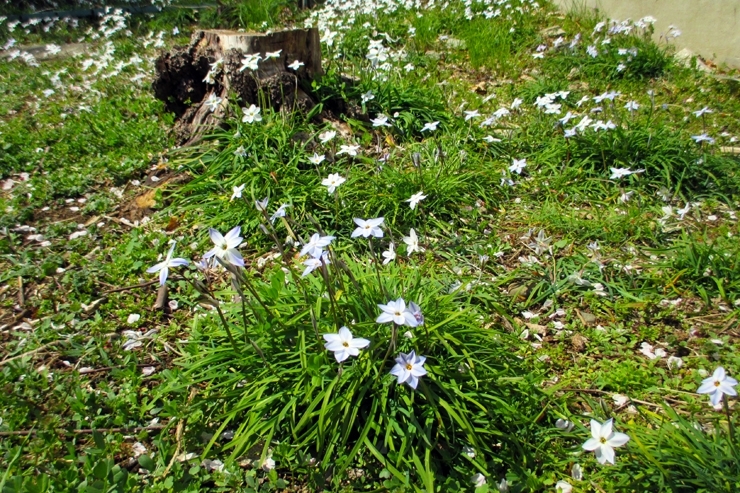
[558, 196]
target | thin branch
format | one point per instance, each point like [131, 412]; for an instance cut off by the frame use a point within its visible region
[604, 392]
[178, 434]
[28, 353]
[109, 368]
[84, 431]
[127, 288]
[137, 286]
[21, 295]
[26, 312]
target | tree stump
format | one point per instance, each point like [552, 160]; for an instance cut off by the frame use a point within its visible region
[212, 66]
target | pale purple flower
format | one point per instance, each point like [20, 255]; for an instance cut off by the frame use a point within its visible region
[396, 311]
[702, 111]
[409, 368]
[226, 246]
[163, 267]
[280, 212]
[315, 246]
[517, 166]
[717, 385]
[314, 263]
[415, 310]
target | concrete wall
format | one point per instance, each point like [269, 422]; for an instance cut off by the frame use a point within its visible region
[710, 28]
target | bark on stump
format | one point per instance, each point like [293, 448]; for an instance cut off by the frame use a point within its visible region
[181, 73]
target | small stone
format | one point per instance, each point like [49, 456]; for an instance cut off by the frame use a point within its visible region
[578, 342]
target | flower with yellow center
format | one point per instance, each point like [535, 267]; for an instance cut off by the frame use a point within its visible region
[409, 368]
[343, 345]
[603, 440]
[717, 385]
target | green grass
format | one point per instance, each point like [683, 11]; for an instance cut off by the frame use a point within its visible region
[517, 333]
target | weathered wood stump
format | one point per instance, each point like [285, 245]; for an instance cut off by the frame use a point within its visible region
[221, 64]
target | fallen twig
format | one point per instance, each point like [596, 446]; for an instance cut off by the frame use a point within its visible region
[26, 312]
[109, 368]
[21, 295]
[178, 434]
[604, 392]
[28, 353]
[161, 298]
[84, 431]
[127, 288]
[137, 286]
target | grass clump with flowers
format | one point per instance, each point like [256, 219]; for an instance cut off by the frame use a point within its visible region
[498, 255]
[269, 371]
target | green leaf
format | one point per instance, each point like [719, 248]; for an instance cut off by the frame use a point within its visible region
[99, 440]
[147, 463]
[100, 470]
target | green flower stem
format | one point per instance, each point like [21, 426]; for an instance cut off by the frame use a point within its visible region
[730, 426]
[332, 296]
[254, 344]
[226, 327]
[387, 354]
[377, 268]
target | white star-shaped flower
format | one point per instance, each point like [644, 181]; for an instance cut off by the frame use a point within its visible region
[315, 246]
[717, 385]
[314, 263]
[517, 166]
[409, 368]
[471, 114]
[389, 255]
[213, 102]
[250, 62]
[343, 345]
[603, 441]
[332, 182]
[163, 267]
[412, 243]
[237, 191]
[296, 65]
[380, 121]
[618, 173]
[348, 149]
[430, 127]
[251, 114]
[368, 227]
[327, 136]
[397, 312]
[415, 199]
[226, 246]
